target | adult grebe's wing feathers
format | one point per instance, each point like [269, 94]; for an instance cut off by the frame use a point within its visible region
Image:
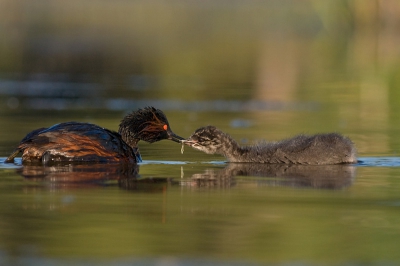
[76, 141]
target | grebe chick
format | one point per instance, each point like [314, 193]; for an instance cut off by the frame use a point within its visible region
[317, 149]
[84, 142]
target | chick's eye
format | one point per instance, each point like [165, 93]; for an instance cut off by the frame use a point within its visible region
[204, 139]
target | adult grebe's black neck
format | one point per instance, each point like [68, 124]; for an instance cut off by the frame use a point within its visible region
[129, 137]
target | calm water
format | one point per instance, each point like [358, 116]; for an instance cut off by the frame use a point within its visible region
[255, 69]
[196, 209]
[191, 210]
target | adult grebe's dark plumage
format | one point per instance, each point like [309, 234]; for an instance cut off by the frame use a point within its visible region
[84, 142]
[317, 149]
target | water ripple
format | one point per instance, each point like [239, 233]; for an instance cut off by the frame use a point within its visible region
[379, 161]
[363, 162]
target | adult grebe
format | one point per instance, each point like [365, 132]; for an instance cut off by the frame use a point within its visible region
[84, 142]
[317, 149]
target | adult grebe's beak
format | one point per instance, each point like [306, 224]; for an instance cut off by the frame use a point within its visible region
[173, 137]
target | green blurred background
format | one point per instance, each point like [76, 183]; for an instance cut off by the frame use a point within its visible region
[256, 69]
[337, 62]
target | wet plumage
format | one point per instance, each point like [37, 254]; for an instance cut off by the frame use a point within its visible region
[84, 142]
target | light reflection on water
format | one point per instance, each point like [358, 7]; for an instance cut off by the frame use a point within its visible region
[211, 174]
[257, 70]
[198, 174]
[208, 212]
[199, 207]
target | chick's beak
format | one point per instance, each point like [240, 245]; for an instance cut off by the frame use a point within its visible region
[188, 142]
[173, 137]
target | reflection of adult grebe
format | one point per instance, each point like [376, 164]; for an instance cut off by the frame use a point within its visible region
[84, 142]
[329, 148]
[64, 175]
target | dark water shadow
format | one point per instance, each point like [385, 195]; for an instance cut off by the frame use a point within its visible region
[75, 175]
[211, 174]
[78, 173]
[127, 176]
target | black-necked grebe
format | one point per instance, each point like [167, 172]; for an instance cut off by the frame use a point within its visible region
[84, 142]
[331, 148]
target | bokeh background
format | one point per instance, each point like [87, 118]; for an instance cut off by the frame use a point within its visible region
[256, 69]
[278, 67]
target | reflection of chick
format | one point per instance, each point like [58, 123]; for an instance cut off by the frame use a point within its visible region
[294, 175]
[329, 148]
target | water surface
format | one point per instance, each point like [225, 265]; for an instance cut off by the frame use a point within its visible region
[198, 212]
[256, 70]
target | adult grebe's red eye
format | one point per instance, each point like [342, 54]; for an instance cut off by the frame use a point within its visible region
[165, 127]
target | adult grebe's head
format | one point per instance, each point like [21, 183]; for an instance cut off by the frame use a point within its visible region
[207, 139]
[148, 124]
